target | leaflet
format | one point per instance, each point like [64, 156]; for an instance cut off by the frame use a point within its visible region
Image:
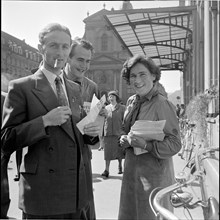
[149, 130]
[93, 114]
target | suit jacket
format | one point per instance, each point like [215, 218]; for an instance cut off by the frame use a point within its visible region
[54, 168]
[5, 199]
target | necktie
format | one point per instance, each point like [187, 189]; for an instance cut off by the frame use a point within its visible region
[60, 92]
[62, 100]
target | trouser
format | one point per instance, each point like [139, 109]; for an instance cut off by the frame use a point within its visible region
[5, 199]
[80, 214]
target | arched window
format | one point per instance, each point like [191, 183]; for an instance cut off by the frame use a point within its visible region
[104, 42]
[26, 53]
[20, 50]
[15, 48]
[30, 53]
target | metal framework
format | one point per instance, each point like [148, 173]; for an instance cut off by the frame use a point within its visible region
[164, 34]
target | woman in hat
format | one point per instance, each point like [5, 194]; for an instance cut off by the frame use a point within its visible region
[154, 167]
[112, 130]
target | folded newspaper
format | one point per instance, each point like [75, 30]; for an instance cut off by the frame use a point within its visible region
[149, 130]
[93, 114]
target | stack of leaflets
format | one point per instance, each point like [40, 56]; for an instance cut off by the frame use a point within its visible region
[149, 130]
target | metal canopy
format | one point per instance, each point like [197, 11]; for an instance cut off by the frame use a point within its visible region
[163, 33]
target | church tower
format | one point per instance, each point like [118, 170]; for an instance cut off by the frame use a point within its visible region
[127, 5]
[109, 54]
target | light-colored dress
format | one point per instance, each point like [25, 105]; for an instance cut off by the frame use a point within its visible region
[142, 173]
[112, 130]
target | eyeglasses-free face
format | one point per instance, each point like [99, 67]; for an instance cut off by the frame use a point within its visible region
[141, 79]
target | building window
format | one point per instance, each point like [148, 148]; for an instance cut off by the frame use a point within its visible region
[39, 57]
[34, 57]
[15, 48]
[104, 42]
[10, 44]
[26, 53]
[20, 50]
[31, 57]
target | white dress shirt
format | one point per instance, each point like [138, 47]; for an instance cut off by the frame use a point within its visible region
[51, 79]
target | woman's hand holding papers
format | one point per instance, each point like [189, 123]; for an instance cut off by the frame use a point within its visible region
[124, 142]
[136, 141]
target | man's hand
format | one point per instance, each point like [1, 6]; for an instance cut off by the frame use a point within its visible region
[92, 129]
[57, 116]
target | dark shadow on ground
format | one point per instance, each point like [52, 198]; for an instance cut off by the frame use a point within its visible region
[98, 178]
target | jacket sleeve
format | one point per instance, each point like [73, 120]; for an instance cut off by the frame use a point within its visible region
[90, 140]
[17, 130]
[172, 142]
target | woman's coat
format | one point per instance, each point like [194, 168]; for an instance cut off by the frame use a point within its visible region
[142, 173]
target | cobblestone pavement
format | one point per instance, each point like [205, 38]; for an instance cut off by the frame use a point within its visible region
[106, 191]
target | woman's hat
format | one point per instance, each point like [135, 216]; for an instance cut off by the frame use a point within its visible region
[115, 93]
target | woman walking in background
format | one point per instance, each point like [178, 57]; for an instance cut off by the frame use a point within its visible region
[154, 167]
[112, 130]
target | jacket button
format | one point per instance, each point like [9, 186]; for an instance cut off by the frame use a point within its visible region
[51, 171]
[50, 149]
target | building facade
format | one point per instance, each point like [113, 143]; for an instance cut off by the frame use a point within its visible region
[109, 56]
[17, 59]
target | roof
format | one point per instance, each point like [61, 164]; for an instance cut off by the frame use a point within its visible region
[164, 34]
[18, 42]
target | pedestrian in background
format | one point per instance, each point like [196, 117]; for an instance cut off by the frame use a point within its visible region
[5, 198]
[40, 114]
[182, 111]
[78, 63]
[101, 138]
[154, 168]
[112, 130]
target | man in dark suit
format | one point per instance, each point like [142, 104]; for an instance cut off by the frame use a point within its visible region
[40, 115]
[5, 199]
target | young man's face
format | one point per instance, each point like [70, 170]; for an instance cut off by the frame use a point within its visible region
[80, 62]
[55, 50]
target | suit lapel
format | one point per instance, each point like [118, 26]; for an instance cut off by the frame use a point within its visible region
[44, 92]
[47, 97]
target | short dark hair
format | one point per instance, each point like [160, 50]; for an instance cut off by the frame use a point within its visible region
[147, 62]
[82, 42]
[52, 27]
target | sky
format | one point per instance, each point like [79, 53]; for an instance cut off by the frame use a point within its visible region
[25, 19]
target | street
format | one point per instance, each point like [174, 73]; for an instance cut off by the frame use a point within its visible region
[106, 191]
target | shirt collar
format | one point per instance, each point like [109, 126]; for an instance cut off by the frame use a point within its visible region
[51, 76]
